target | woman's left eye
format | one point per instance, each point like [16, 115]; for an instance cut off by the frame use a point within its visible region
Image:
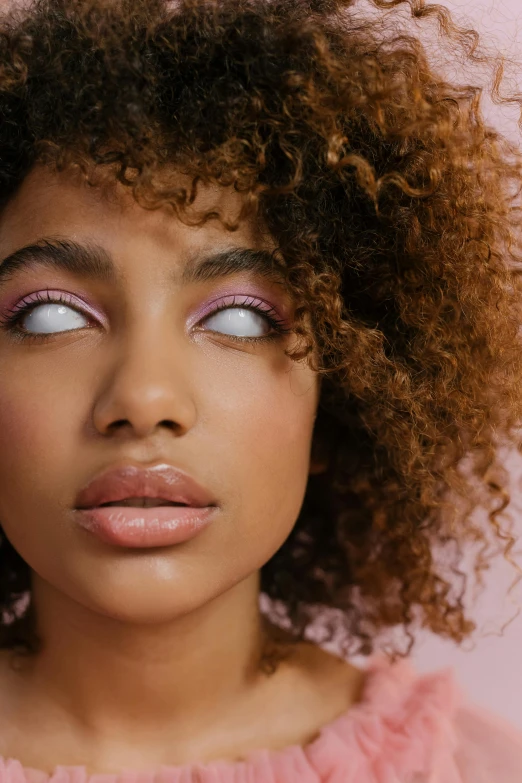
[239, 318]
[239, 322]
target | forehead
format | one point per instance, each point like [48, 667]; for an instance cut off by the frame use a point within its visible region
[49, 202]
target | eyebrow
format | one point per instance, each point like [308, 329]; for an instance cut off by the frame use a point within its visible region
[94, 262]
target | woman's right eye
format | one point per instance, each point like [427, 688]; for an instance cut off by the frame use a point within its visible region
[42, 318]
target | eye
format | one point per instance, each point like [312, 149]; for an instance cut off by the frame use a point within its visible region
[246, 319]
[47, 313]
[51, 318]
[239, 322]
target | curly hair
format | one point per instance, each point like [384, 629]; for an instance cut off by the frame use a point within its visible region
[394, 207]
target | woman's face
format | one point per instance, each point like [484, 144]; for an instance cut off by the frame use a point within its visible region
[134, 373]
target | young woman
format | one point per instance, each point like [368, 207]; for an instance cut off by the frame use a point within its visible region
[259, 349]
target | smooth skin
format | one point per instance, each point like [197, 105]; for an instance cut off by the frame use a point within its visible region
[150, 656]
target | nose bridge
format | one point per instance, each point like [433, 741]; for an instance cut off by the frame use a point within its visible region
[148, 379]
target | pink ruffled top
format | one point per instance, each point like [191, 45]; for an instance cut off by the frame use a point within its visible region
[406, 728]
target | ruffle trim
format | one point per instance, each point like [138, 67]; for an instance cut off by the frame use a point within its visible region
[400, 728]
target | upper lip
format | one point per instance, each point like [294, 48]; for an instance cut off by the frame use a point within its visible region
[132, 481]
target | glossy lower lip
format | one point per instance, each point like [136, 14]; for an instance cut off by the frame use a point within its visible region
[145, 527]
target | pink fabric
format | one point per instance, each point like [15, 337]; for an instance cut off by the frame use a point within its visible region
[407, 728]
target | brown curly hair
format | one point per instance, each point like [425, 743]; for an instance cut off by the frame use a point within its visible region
[394, 208]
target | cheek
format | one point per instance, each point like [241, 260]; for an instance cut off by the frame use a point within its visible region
[23, 461]
[266, 422]
[269, 409]
[280, 422]
[35, 425]
[23, 418]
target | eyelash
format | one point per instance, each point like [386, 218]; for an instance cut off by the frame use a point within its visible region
[10, 323]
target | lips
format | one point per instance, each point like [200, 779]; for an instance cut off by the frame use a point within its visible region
[133, 484]
[141, 503]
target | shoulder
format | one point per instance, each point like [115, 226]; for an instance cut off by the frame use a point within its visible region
[423, 726]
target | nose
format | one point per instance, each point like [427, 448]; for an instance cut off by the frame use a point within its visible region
[148, 382]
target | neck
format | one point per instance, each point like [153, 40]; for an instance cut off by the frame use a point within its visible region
[109, 678]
